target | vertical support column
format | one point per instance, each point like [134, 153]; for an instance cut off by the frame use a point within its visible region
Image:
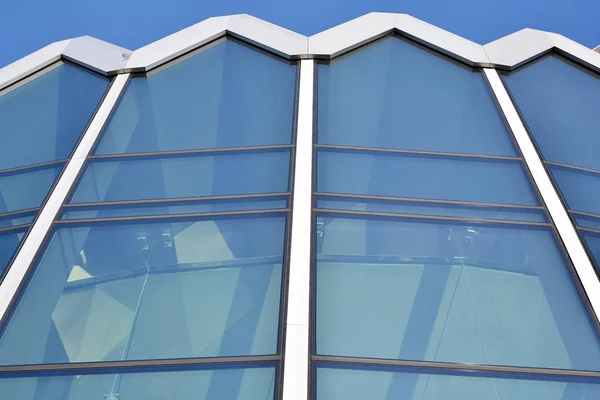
[23, 261]
[295, 373]
[558, 213]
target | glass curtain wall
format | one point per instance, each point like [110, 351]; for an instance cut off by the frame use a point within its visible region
[165, 274]
[41, 120]
[430, 245]
[558, 101]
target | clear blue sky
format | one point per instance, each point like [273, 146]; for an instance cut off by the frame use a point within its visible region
[29, 25]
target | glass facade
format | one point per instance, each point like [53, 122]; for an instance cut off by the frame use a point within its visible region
[239, 221]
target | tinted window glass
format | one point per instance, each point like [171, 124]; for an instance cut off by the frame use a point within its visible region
[26, 189]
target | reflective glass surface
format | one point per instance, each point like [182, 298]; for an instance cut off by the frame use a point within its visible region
[192, 288]
[175, 208]
[9, 241]
[227, 95]
[580, 189]
[453, 292]
[201, 384]
[335, 383]
[17, 219]
[418, 176]
[397, 94]
[586, 221]
[592, 241]
[185, 176]
[26, 189]
[559, 103]
[43, 119]
[438, 209]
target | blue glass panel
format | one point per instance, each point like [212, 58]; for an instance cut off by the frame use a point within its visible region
[228, 95]
[395, 94]
[354, 383]
[412, 207]
[17, 219]
[185, 176]
[27, 189]
[194, 288]
[193, 384]
[42, 120]
[9, 241]
[176, 208]
[470, 293]
[586, 221]
[559, 103]
[429, 177]
[592, 240]
[580, 189]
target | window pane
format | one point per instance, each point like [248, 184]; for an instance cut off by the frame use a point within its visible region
[176, 208]
[9, 241]
[446, 210]
[580, 189]
[404, 384]
[592, 240]
[28, 189]
[185, 176]
[228, 95]
[429, 177]
[396, 94]
[42, 120]
[201, 288]
[559, 102]
[17, 219]
[586, 221]
[201, 384]
[398, 289]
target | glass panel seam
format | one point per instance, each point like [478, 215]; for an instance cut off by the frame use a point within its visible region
[23, 260]
[16, 227]
[575, 167]
[211, 151]
[30, 167]
[296, 349]
[558, 212]
[416, 152]
[19, 212]
[432, 217]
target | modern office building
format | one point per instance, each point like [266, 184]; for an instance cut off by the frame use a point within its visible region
[380, 211]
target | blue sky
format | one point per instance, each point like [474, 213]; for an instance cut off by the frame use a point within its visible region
[29, 25]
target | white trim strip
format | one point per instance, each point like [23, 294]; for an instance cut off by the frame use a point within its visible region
[558, 213]
[23, 261]
[295, 373]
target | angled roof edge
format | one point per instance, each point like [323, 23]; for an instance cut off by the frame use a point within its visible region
[95, 54]
[508, 53]
[263, 34]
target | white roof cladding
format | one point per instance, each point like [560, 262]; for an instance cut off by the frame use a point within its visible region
[506, 53]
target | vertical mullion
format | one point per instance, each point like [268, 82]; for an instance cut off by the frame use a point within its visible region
[25, 257]
[295, 373]
[575, 249]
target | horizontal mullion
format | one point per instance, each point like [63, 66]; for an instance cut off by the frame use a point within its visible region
[432, 217]
[417, 152]
[113, 367]
[574, 167]
[430, 201]
[222, 150]
[583, 228]
[15, 228]
[176, 200]
[584, 213]
[19, 212]
[26, 168]
[170, 216]
[459, 367]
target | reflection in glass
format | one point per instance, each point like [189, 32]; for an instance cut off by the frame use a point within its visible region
[428, 177]
[228, 95]
[27, 189]
[9, 241]
[436, 209]
[43, 119]
[396, 94]
[470, 293]
[580, 189]
[359, 383]
[180, 207]
[558, 101]
[185, 176]
[193, 288]
[191, 384]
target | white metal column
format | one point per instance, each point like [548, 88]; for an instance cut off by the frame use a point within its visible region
[40, 229]
[566, 230]
[295, 375]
